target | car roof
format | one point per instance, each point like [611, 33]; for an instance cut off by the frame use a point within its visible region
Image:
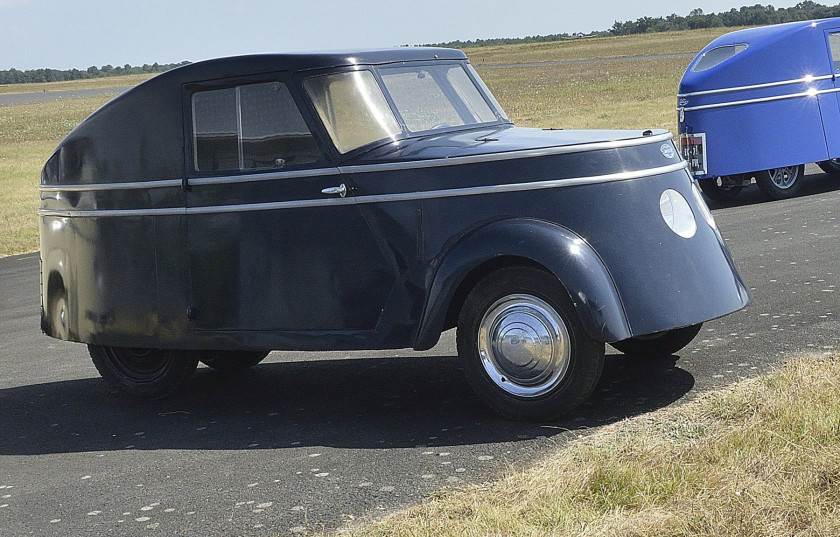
[305, 61]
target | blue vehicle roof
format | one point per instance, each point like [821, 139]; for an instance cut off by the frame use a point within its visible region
[773, 54]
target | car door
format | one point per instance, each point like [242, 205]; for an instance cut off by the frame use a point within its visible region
[276, 241]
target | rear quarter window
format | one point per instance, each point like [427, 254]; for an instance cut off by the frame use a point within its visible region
[717, 56]
[250, 127]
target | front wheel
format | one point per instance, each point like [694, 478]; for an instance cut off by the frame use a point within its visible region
[144, 373]
[781, 183]
[232, 361]
[660, 344]
[523, 347]
[723, 188]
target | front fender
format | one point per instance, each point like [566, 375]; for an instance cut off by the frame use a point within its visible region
[566, 255]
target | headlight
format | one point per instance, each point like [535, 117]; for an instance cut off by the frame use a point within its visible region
[677, 213]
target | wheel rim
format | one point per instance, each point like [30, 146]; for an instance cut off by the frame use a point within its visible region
[139, 365]
[59, 313]
[784, 178]
[524, 345]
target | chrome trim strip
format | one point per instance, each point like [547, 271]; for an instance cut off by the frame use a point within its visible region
[196, 181]
[92, 187]
[508, 155]
[366, 168]
[811, 93]
[250, 178]
[383, 198]
[802, 80]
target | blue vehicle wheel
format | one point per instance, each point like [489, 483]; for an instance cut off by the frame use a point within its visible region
[781, 183]
[723, 188]
[831, 166]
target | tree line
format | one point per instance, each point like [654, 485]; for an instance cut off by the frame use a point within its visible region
[757, 15]
[14, 76]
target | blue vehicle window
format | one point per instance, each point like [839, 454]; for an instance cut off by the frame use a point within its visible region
[717, 56]
[252, 127]
[834, 43]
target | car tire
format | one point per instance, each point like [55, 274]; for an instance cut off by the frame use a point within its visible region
[144, 373]
[724, 188]
[57, 313]
[523, 348]
[781, 183]
[232, 361]
[658, 345]
[831, 166]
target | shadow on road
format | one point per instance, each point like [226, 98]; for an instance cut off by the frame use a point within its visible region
[363, 403]
[812, 184]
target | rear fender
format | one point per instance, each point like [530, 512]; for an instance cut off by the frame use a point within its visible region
[557, 249]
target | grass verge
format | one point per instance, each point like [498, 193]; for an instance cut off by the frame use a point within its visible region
[760, 458]
[90, 83]
[28, 135]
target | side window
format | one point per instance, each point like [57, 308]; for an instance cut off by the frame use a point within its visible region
[250, 127]
[834, 44]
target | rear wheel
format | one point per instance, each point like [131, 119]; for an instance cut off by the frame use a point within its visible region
[831, 166]
[232, 361]
[781, 183]
[57, 314]
[660, 344]
[724, 188]
[144, 373]
[523, 347]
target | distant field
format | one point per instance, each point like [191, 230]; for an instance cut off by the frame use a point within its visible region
[107, 82]
[610, 93]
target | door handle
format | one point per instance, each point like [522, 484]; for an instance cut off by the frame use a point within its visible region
[341, 190]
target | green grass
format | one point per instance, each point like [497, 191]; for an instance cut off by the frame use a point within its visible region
[761, 458]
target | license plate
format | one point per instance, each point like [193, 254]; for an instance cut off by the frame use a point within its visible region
[693, 148]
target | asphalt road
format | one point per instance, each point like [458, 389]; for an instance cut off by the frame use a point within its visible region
[314, 441]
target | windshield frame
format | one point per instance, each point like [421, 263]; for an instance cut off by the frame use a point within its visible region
[499, 117]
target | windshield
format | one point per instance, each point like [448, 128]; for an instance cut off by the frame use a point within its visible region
[356, 111]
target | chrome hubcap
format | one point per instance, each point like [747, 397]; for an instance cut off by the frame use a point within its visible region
[784, 177]
[524, 345]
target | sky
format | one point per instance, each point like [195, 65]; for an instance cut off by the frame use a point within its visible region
[65, 34]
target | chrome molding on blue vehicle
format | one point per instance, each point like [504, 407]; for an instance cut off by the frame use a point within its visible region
[384, 198]
[803, 80]
[809, 93]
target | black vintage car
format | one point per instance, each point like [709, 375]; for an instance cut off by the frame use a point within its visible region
[369, 200]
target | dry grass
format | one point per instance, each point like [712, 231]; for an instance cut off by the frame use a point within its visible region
[596, 48]
[607, 95]
[28, 135]
[761, 458]
[107, 82]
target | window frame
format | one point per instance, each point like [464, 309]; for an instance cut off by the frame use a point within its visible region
[492, 103]
[190, 89]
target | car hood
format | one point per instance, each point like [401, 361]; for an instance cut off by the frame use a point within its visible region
[496, 140]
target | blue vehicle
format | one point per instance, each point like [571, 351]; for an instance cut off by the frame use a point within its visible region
[761, 103]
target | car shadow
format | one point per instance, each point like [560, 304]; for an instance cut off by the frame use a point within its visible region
[813, 183]
[369, 403]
